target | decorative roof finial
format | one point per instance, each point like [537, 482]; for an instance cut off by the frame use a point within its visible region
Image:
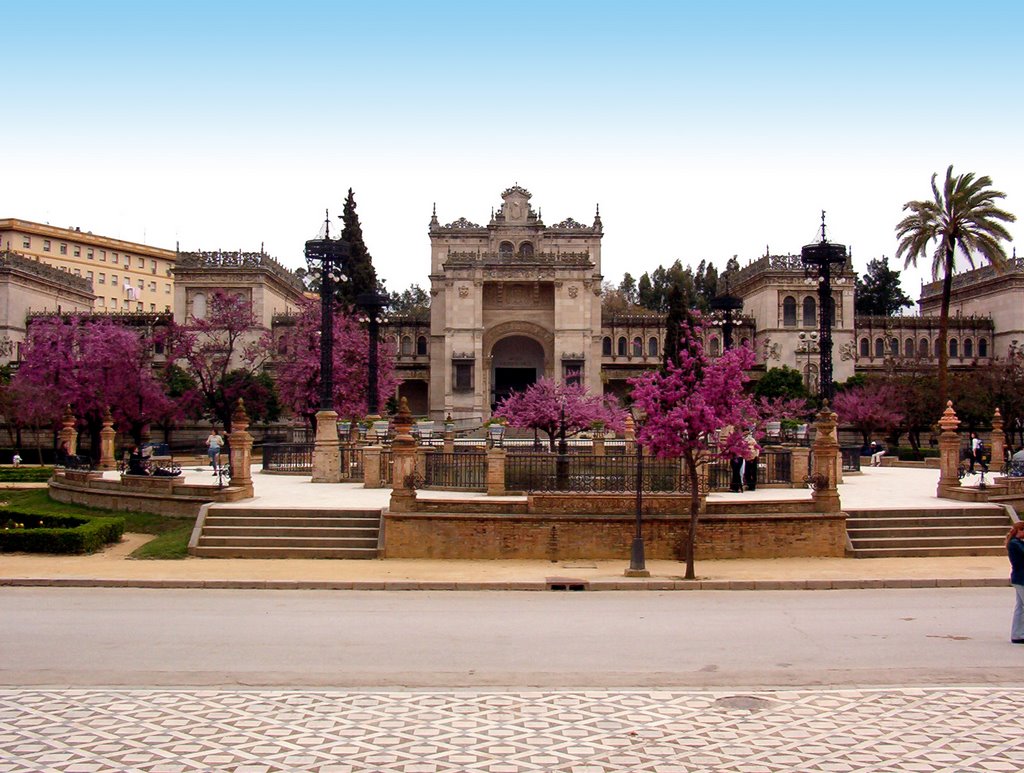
[597, 216]
[823, 226]
[433, 216]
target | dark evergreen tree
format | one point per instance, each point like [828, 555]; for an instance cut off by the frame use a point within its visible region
[879, 292]
[781, 382]
[360, 272]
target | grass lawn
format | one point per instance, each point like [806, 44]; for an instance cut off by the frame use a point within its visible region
[172, 534]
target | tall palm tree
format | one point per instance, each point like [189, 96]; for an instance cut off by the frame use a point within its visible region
[961, 215]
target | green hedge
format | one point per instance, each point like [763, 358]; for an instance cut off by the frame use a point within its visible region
[24, 532]
[25, 474]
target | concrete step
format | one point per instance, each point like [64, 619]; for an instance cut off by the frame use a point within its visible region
[285, 523]
[962, 540]
[234, 530]
[285, 542]
[927, 552]
[995, 533]
[928, 522]
[210, 551]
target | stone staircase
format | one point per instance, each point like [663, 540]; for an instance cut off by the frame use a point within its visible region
[925, 533]
[267, 533]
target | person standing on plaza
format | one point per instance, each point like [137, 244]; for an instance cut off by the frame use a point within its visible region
[977, 450]
[750, 458]
[214, 444]
[16, 459]
[1015, 550]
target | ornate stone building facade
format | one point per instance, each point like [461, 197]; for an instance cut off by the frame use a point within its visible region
[511, 301]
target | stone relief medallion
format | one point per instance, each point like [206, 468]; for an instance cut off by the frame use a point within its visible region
[573, 291]
[463, 291]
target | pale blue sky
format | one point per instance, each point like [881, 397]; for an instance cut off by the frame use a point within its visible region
[704, 130]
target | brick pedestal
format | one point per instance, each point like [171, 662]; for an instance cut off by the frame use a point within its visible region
[949, 451]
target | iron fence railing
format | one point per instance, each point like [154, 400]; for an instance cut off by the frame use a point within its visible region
[851, 459]
[351, 462]
[456, 471]
[544, 472]
[288, 457]
[774, 468]
[386, 467]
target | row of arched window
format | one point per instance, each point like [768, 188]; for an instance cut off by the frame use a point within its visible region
[809, 312]
[405, 347]
[922, 349]
[508, 249]
[634, 348]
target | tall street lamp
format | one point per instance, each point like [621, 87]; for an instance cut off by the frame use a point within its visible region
[819, 260]
[637, 563]
[373, 304]
[728, 304]
[328, 257]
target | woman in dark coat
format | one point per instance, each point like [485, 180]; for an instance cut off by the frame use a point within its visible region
[1015, 549]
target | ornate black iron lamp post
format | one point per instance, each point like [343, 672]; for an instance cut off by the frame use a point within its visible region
[729, 305]
[820, 259]
[373, 304]
[637, 562]
[327, 256]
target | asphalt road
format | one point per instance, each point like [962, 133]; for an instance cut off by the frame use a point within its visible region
[323, 639]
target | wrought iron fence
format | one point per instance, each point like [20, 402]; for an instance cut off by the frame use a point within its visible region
[386, 467]
[851, 459]
[351, 462]
[774, 468]
[288, 457]
[589, 473]
[456, 471]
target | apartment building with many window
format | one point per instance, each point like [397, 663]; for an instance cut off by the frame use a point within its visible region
[125, 276]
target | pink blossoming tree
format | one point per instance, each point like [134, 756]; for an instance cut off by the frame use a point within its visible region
[224, 353]
[298, 365]
[869, 408]
[687, 404]
[540, 406]
[89, 364]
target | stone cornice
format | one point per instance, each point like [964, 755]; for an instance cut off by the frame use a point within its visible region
[84, 237]
[16, 262]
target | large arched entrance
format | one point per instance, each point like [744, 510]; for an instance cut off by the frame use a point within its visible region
[516, 362]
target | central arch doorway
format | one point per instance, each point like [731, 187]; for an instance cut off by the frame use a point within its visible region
[516, 363]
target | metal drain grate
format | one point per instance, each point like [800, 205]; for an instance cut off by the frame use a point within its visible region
[743, 703]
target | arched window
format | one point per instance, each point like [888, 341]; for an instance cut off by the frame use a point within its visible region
[879, 347]
[505, 249]
[810, 312]
[923, 348]
[621, 346]
[865, 347]
[894, 347]
[421, 345]
[406, 345]
[968, 348]
[908, 348]
[199, 306]
[606, 346]
[652, 347]
[983, 347]
[715, 347]
[789, 311]
[638, 347]
[526, 249]
[954, 347]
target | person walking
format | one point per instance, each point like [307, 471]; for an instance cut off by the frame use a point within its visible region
[16, 459]
[750, 456]
[977, 449]
[1015, 550]
[214, 443]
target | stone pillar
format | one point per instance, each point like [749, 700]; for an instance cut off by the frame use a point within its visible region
[827, 462]
[68, 435]
[449, 435]
[799, 466]
[496, 472]
[949, 451]
[326, 449]
[998, 442]
[598, 444]
[371, 466]
[240, 446]
[107, 436]
[629, 432]
[403, 454]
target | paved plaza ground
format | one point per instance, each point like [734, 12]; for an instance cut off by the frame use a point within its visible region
[969, 730]
[873, 488]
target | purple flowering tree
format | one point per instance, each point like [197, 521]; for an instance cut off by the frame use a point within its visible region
[687, 404]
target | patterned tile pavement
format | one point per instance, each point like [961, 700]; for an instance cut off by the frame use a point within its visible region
[829, 730]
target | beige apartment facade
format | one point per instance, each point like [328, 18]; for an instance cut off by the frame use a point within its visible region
[125, 276]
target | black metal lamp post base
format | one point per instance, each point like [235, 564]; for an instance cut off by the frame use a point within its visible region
[637, 565]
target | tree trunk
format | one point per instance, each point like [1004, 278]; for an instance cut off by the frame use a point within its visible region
[691, 536]
[947, 292]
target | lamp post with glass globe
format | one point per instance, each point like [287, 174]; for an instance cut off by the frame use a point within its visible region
[820, 259]
[327, 257]
[372, 304]
[637, 562]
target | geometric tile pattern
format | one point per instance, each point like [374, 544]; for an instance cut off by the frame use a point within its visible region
[921, 730]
